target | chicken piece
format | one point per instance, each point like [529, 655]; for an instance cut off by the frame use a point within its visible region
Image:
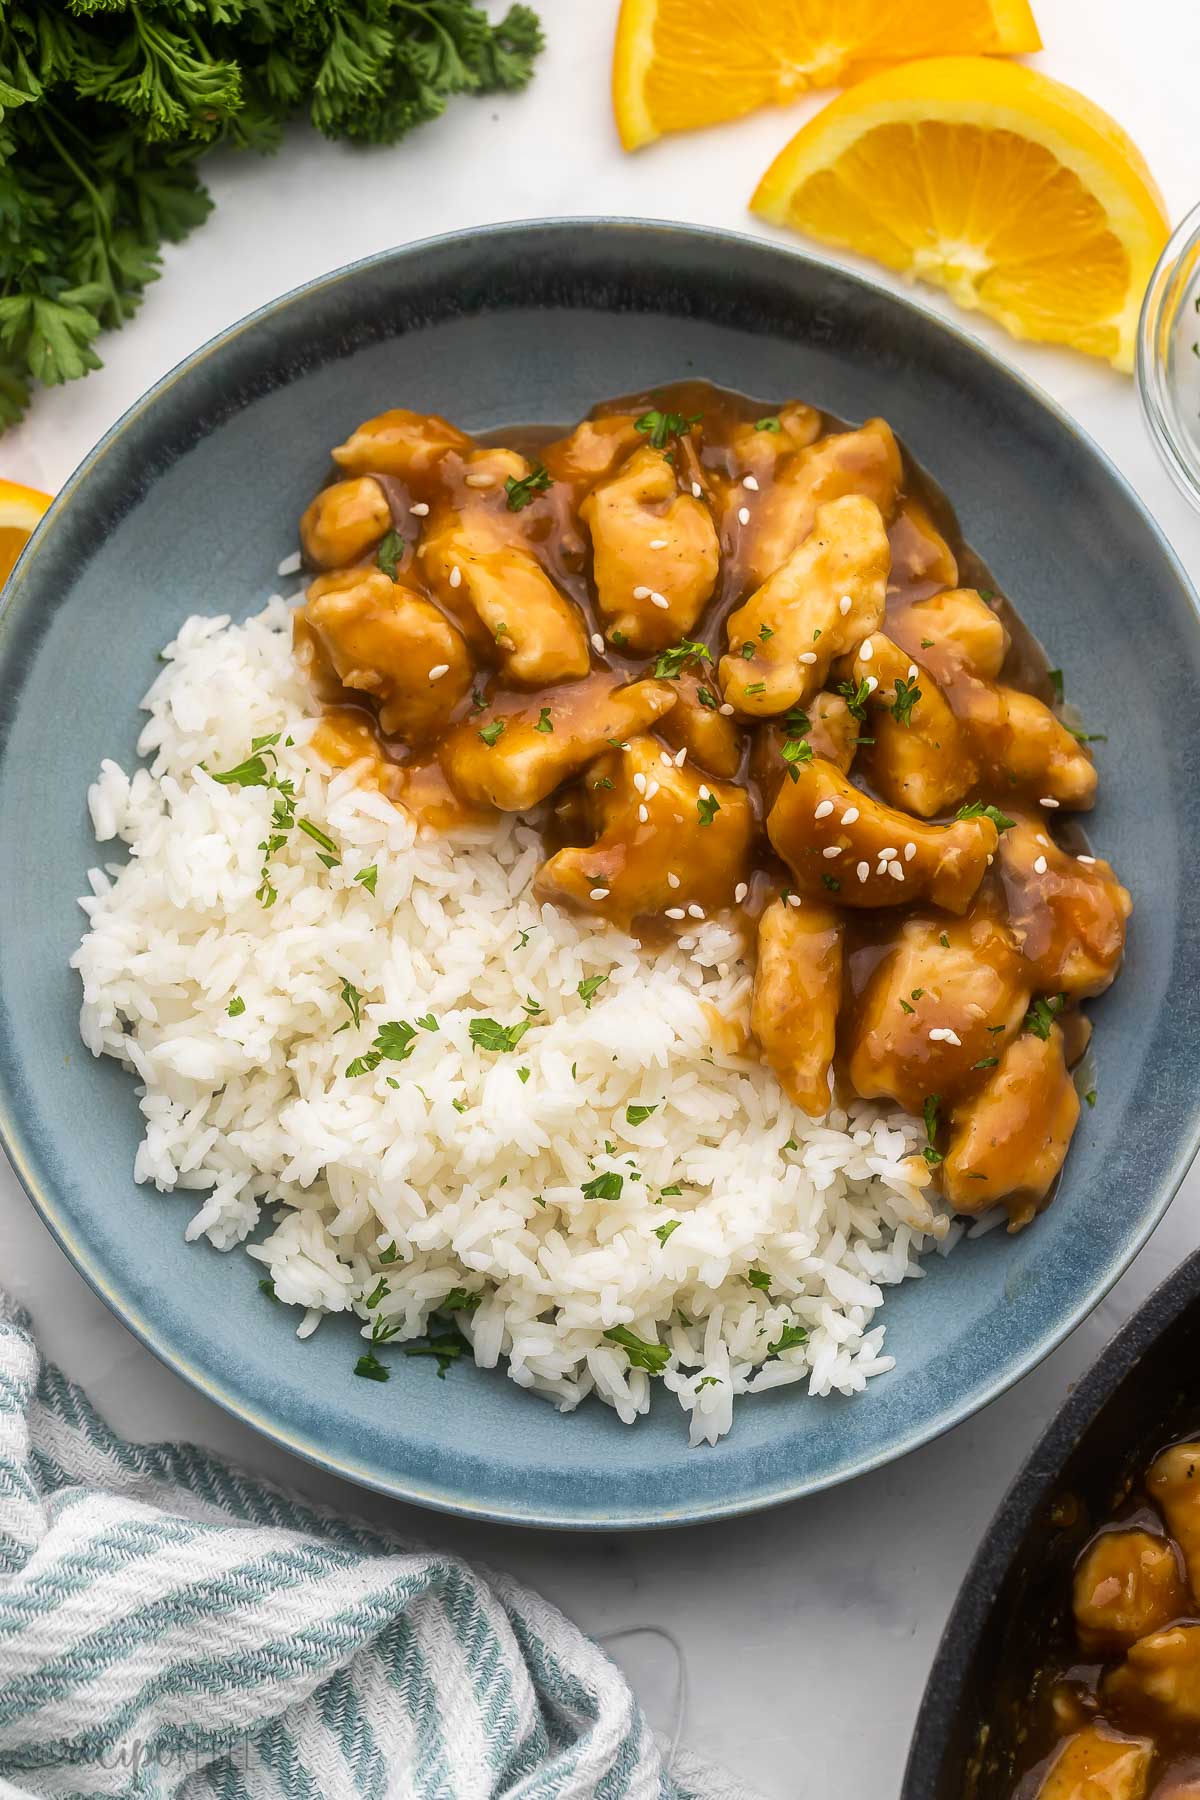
[1181, 1782]
[695, 725]
[400, 443]
[823, 600]
[797, 993]
[921, 557]
[393, 645]
[833, 837]
[485, 572]
[592, 450]
[826, 726]
[959, 627]
[626, 874]
[1009, 1140]
[650, 545]
[345, 521]
[864, 462]
[1096, 1763]
[921, 759]
[758, 451]
[1127, 1584]
[1068, 915]
[1022, 744]
[513, 755]
[1159, 1680]
[956, 976]
[1173, 1484]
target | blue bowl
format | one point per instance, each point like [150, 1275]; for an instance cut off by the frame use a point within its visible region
[189, 504]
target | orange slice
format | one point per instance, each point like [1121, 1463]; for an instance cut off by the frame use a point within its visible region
[1009, 190]
[683, 63]
[20, 510]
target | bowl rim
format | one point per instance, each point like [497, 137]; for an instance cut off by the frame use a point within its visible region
[1033, 1484]
[1150, 377]
[349, 1468]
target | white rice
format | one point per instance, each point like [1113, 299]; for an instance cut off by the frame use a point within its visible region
[470, 1169]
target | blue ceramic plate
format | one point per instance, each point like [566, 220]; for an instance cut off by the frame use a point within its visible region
[189, 504]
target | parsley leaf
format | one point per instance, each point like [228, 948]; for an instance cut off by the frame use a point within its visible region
[446, 1346]
[663, 425]
[491, 733]
[637, 1115]
[652, 1357]
[663, 1232]
[929, 1113]
[856, 697]
[771, 423]
[977, 810]
[603, 1187]
[520, 493]
[389, 553]
[486, 1034]
[790, 1338]
[236, 1007]
[1042, 1014]
[707, 806]
[371, 1369]
[368, 877]
[670, 663]
[588, 989]
[906, 697]
[544, 721]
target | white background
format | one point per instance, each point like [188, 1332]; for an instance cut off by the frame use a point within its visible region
[808, 1631]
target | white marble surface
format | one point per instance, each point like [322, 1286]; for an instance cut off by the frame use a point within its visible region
[872, 1567]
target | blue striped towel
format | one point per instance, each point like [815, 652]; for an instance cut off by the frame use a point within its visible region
[170, 1626]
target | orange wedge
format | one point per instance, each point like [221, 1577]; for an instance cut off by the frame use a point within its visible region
[683, 63]
[20, 510]
[1009, 190]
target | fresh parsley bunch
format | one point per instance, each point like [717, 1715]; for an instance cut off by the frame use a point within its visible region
[106, 107]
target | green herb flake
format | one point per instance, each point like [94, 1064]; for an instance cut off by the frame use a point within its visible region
[756, 687]
[267, 1287]
[906, 1008]
[672, 1191]
[523, 1076]
[663, 1232]
[670, 663]
[319, 837]
[253, 772]
[771, 423]
[353, 999]
[486, 1034]
[1042, 1014]
[544, 721]
[642, 1355]
[855, 697]
[520, 493]
[791, 1337]
[986, 1062]
[603, 1187]
[765, 632]
[460, 1299]
[389, 553]
[637, 1115]
[659, 426]
[907, 693]
[491, 733]
[370, 1368]
[447, 1347]
[379, 1292]
[367, 878]
[748, 651]
[1055, 678]
[589, 988]
[389, 1254]
[707, 699]
[707, 808]
[1090, 1096]
[978, 810]
[832, 883]
[758, 1278]
[236, 1007]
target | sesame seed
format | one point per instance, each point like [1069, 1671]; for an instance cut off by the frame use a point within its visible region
[672, 879]
[676, 912]
[866, 650]
[849, 816]
[1086, 859]
[597, 643]
[639, 782]
[480, 481]
[697, 490]
[1039, 866]
[1041, 838]
[664, 759]
[456, 576]
[641, 593]
[704, 793]
[831, 850]
[751, 482]
[823, 811]
[419, 510]
[597, 893]
[793, 899]
[651, 789]
[1047, 800]
[643, 813]
[743, 515]
[438, 670]
[863, 870]
[660, 600]
[913, 671]
[844, 604]
[872, 684]
[695, 912]
[740, 892]
[991, 859]
[895, 871]
[942, 1034]
[681, 757]
[658, 543]
[910, 850]
[725, 709]
[807, 656]
[887, 853]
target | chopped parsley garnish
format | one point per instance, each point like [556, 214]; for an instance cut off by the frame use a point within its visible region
[977, 810]
[603, 782]
[353, 1000]
[319, 837]
[707, 1380]
[758, 1278]
[944, 941]
[906, 697]
[544, 721]
[672, 1190]
[747, 650]
[757, 687]
[393, 1042]
[371, 1369]
[520, 493]
[368, 877]
[1090, 1096]
[1055, 678]
[986, 593]
[927, 643]
[524, 937]
[491, 733]
[267, 1286]
[663, 1232]
[771, 423]
[659, 426]
[707, 698]
[790, 1338]
[523, 1076]
[252, 772]
[986, 1062]
[856, 697]
[832, 883]
[486, 1034]
[501, 631]
[603, 1187]
[765, 632]
[236, 1007]
[389, 553]
[637, 1115]
[1042, 1013]
[460, 1106]
[389, 1254]
[651, 1357]
[618, 638]
[532, 1006]
[589, 988]
[929, 1112]
[708, 806]
[906, 1008]
[460, 1300]
[671, 662]
[428, 1023]
[379, 1292]
[447, 1346]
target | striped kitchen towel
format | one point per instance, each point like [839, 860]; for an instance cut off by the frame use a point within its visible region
[170, 1626]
